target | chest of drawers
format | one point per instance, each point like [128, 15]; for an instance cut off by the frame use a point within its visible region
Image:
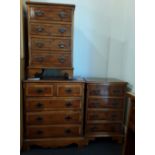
[53, 112]
[50, 38]
[105, 108]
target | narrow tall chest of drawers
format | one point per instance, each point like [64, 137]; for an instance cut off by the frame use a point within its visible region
[105, 107]
[50, 38]
[53, 112]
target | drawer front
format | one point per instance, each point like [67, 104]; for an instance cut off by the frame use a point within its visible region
[106, 90]
[69, 90]
[105, 127]
[50, 44]
[53, 131]
[39, 90]
[51, 60]
[57, 117]
[62, 30]
[35, 104]
[51, 13]
[105, 103]
[111, 115]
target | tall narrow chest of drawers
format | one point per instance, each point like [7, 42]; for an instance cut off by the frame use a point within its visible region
[105, 107]
[53, 112]
[50, 34]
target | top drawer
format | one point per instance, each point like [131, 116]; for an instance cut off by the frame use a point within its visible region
[51, 13]
[105, 90]
[39, 90]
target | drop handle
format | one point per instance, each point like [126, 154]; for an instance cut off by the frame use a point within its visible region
[68, 131]
[39, 119]
[39, 29]
[39, 105]
[68, 90]
[62, 14]
[61, 59]
[39, 132]
[68, 104]
[68, 118]
[61, 45]
[39, 91]
[39, 44]
[62, 30]
[39, 13]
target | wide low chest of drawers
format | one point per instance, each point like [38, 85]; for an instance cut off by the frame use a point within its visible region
[105, 108]
[53, 112]
[50, 38]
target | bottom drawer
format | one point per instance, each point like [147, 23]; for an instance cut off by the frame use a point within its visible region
[53, 131]
[104, 127]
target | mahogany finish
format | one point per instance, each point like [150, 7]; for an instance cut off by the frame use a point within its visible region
[53, 109]
[50, 33]
[105, 99]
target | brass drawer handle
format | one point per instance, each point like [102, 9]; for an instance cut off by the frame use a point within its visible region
[39, 29]
[94, 128]
[39, 119]
[39, 132]
[68, 104]
[68, 131]
[39, 44]
[39, 59]
[39, 105]
[68, 118]
[68, 90]
[62, 14]
[61, 59]
[62, 30]
[39, 91]
[39, 13]
[61, 45]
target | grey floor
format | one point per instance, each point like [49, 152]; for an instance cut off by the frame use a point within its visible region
[98, 147]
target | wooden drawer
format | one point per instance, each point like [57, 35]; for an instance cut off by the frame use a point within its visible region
[50, 44]
[51, 60]
[106, 90]
[51, 13]
[69, 90]
[54, 117]
[47, 104]
[53, 131]
[105, 127]
[111, 115]
[39, 90]
[62, 30]
[106, 103]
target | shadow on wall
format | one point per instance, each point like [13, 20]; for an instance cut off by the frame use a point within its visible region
[89, 56]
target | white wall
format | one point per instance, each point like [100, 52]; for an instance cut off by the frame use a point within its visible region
[103, 38]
